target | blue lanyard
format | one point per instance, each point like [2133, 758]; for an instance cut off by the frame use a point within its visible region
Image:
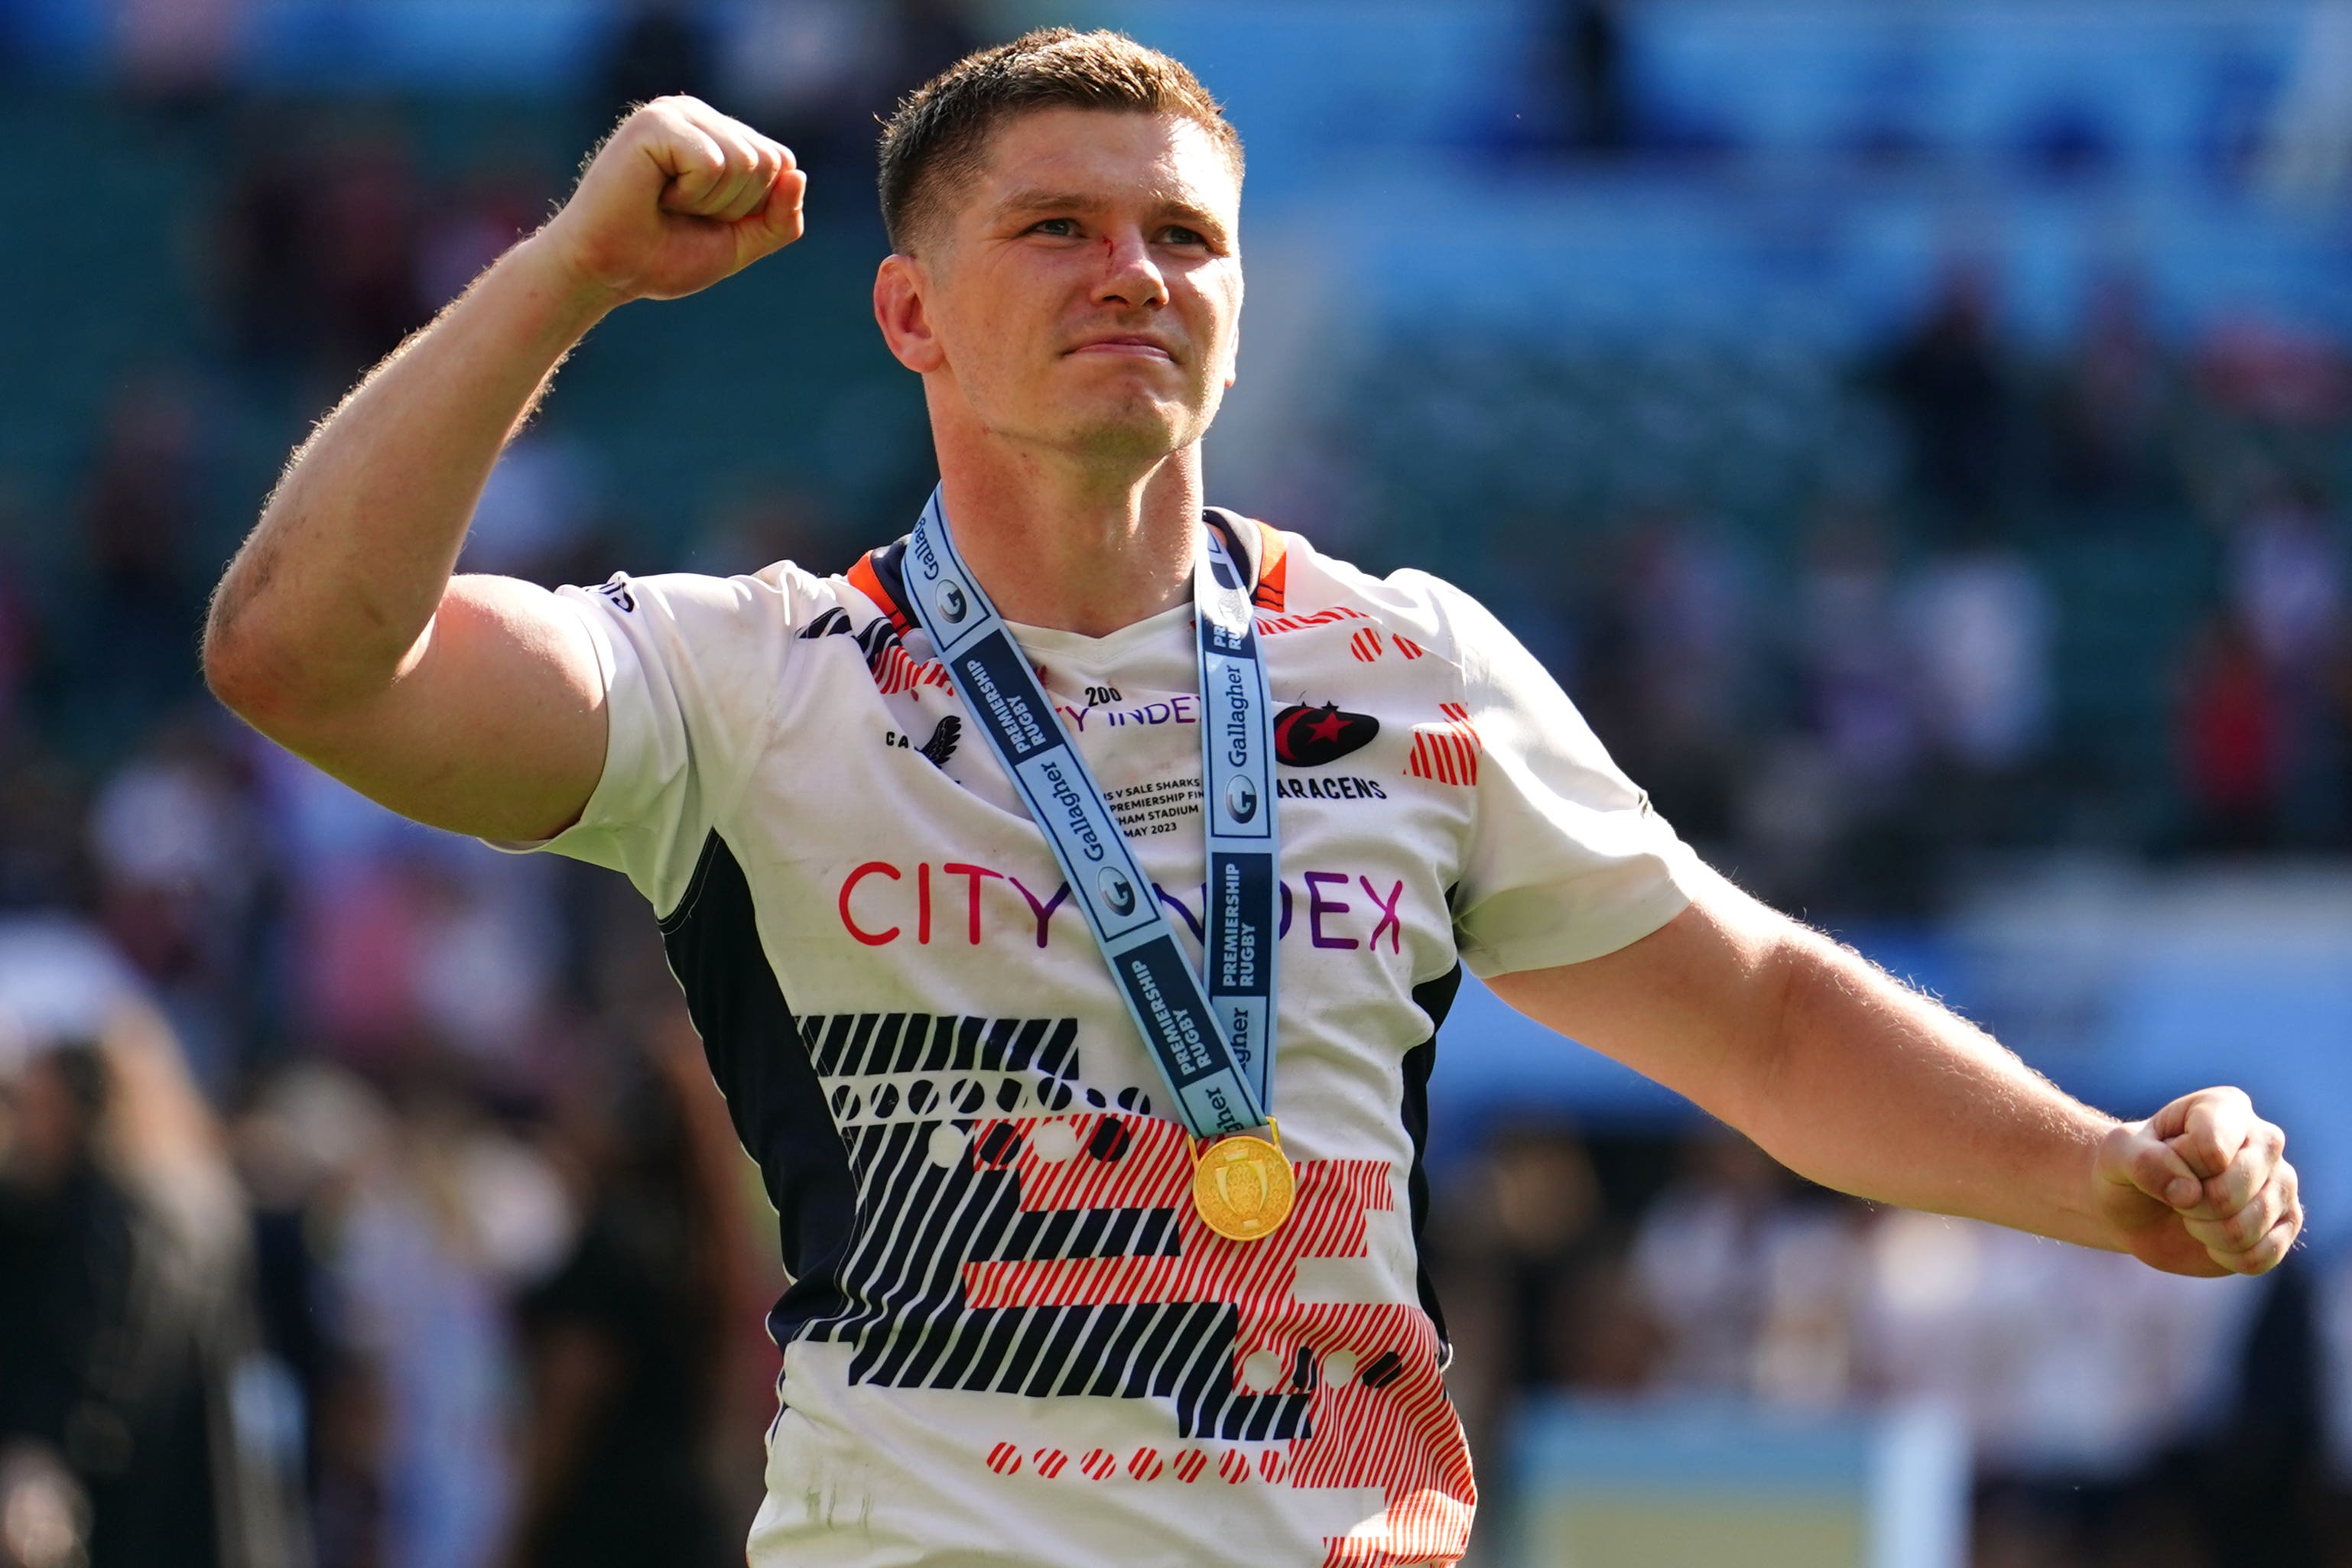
[1215, 1046]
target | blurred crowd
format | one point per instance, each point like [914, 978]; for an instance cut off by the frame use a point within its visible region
[363, 1200]
[1865, 625]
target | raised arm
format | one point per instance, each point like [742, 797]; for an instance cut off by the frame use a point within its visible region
[473, 703]
[1859, 1082]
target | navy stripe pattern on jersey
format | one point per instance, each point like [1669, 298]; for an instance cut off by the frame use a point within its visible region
[930, 1110]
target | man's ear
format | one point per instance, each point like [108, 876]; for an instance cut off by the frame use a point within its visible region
[899, 310]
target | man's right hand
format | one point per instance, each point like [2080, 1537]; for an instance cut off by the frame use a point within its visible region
[678, 197]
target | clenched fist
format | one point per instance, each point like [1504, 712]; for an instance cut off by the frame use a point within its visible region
[677, 198]
[2201, 1188]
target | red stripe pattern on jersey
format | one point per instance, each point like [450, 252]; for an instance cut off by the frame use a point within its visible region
[1365, 644]
[1328, 1222]
[1378, 1415]
[896, 670]
[1274, 625]
[1446, 751]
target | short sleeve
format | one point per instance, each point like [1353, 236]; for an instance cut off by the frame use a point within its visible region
[695, 669]
[1566, 860]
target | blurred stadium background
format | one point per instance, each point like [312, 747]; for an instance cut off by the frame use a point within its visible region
[1918, 434]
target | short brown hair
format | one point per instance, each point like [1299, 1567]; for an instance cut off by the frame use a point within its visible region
[939, 134]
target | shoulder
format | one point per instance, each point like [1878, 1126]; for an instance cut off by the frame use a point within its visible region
[710, 611]
[1299, 585]
[781, 588]
[733, 639]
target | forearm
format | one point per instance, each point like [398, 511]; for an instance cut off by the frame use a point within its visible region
[342, 574]
[1866, 1086]
[1839, 1072]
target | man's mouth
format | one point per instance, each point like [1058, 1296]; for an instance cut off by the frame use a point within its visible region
[1129, 345]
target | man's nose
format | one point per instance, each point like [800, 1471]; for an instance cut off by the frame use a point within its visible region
[1129, 275]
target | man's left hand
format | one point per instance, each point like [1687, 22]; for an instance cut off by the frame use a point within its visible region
[2201, 1187]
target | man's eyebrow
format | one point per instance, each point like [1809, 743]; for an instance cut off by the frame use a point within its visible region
[1037, 200]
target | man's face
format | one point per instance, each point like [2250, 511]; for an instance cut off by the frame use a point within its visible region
[1083, 294]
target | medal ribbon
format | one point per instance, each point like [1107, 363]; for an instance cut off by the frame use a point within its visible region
[1214, 1045]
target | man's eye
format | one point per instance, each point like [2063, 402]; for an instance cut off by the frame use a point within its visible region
[1059, 227]
[1179, 235]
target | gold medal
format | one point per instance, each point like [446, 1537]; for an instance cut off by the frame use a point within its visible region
[1244, 1185]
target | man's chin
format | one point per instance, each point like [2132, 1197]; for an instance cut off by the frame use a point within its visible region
[1137, 436]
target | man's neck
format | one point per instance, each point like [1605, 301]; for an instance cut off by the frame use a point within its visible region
[1054, 545]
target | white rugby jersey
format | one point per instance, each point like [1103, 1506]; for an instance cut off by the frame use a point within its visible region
[1008, 1339]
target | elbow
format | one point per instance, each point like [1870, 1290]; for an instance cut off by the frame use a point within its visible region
[232, 667]
[286, 674]
[254, 672]
[232, 651]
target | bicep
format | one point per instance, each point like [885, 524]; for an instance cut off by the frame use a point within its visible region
[1696, 1005]
[494, 726]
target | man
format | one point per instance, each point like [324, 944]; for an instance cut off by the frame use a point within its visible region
[1021, 1327]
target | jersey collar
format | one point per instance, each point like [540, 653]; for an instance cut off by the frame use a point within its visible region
[880, 574]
